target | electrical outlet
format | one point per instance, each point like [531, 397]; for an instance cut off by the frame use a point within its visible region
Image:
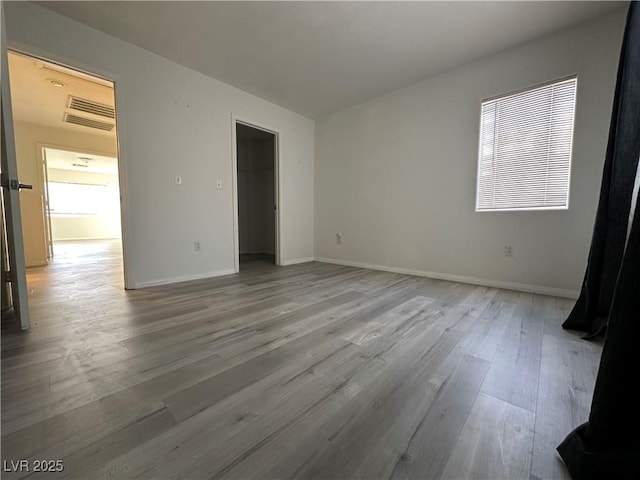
[508, 251]
[196, 246]
[338, 239]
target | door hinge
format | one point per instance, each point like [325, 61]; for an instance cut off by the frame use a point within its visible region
[6, 276]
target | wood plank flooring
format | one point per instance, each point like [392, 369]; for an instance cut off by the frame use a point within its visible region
[306, 371]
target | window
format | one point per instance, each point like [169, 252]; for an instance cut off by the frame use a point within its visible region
[77, 198]
[524, 157]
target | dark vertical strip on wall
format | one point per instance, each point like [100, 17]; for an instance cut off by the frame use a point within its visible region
[591, 311]
[608, 445]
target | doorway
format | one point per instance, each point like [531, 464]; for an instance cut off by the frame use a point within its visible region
[257, 196]
[67, 148]
[82, 199]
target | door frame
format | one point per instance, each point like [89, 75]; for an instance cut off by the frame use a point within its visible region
[235, 120]
[12, 217]
[44, 173]
[121, 151]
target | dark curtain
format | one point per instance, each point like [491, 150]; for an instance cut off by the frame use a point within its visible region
[608, 445]
[591, 311]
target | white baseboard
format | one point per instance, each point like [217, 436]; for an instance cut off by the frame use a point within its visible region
[297, 260]
[79, 239]
[520, 287]
[39, 263]
[183, 278]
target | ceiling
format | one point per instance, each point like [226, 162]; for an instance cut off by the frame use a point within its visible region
[35, 99]
[316, 58]
[67, 160]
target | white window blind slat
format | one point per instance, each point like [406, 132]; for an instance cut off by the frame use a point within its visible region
[524, 158]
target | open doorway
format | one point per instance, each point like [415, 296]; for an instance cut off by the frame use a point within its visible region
[82, 199]
[66, 147]
[257, 194]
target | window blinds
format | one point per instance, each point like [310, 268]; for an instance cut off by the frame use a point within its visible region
[524, 157]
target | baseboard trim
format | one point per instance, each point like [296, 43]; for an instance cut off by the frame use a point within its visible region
[183, 278]
[520, 287]
[79, 239]
[297, 260]
[41, 263]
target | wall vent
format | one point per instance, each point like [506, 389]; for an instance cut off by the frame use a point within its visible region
[89, 106]
[88, 122]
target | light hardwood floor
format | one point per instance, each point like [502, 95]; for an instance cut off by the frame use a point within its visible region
[307, 371]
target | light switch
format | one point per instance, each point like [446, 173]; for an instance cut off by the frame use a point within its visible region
[178, 180]
[219, 184]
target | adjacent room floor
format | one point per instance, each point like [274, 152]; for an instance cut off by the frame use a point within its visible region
[307, 371]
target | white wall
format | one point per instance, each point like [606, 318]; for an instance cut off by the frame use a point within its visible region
[256, 196]
[397, 175]
[175, 121]
[29, 139]
[104, 225]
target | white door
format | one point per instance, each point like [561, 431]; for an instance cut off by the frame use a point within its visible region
[10, 191]
[47, 210]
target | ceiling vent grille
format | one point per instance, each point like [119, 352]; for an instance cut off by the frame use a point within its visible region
[89, 106]
[88, 122]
